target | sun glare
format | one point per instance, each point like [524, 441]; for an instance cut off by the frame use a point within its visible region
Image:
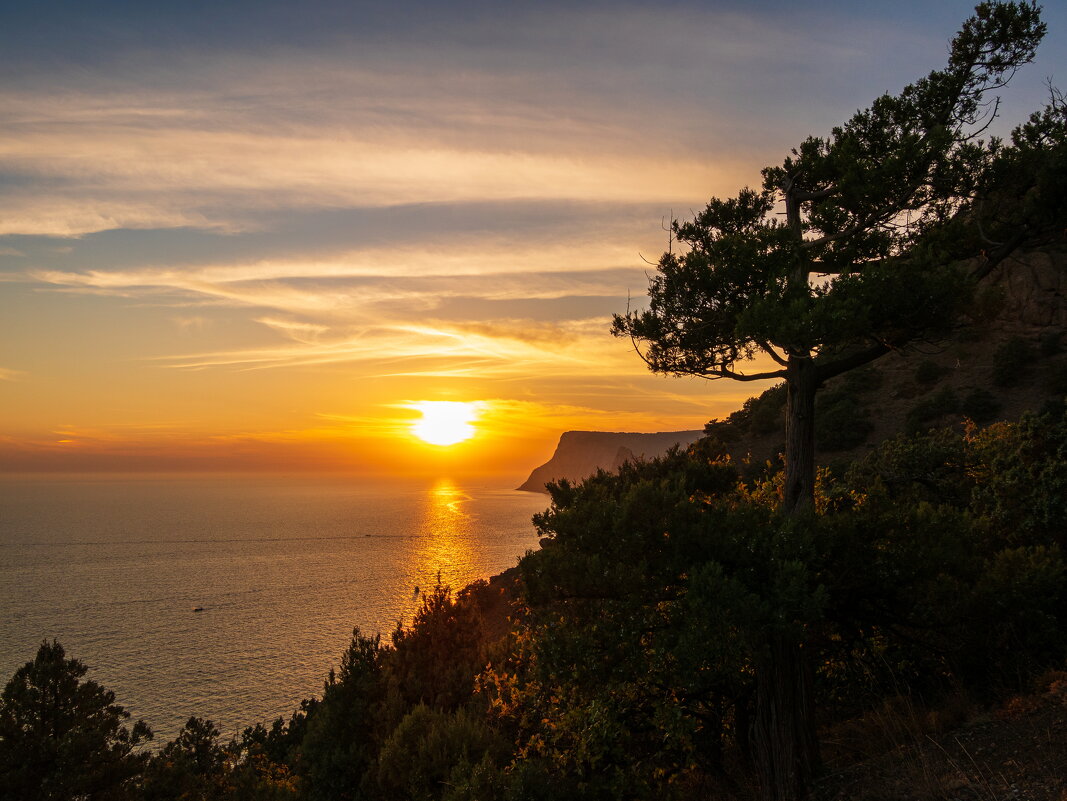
[444, 422]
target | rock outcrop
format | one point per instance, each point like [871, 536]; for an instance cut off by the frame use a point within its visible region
[1034, 284]
[579, 454]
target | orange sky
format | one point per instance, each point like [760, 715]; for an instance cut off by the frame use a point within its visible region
[239, 240]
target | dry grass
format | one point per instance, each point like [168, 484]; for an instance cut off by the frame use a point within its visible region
[904, 752]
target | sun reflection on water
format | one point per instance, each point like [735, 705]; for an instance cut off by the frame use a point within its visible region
[443, 546]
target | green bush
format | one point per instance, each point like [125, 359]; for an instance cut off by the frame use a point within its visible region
[929, 372]
[979, 405]
[1056, 379]
[926, 412]
[757, 416]
[862, 380]
[433, 661]
[987, 304]
[1049, 343]
[430, 748]
[192, 765]
[840, 422]
[1010, 360]
[340, 745]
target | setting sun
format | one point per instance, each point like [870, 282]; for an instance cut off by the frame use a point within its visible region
[444, 422]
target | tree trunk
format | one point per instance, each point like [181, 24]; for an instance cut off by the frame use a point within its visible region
[786, 749]
[801, 386]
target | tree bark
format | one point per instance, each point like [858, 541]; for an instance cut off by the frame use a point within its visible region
[785, 747]
[801, 385]
[786, 750]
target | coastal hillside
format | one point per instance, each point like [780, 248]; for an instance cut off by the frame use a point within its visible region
[1007, 355]
[579, 454]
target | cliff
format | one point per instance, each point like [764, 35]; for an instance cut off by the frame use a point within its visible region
[581, 453]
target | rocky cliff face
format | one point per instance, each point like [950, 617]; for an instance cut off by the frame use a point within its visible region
[581, 453]
[1034, 285]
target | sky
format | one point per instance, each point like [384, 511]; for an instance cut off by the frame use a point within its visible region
[255, 235]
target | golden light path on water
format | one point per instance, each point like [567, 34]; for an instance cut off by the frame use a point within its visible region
[445, 546]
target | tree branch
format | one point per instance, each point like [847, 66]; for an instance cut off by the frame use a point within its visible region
[824, 372]
[997, 256]
[821, 194]
[722, 372]
[769, 350]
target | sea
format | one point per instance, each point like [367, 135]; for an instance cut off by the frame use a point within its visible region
[231, 597]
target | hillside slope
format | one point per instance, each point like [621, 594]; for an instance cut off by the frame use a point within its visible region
[1008, 356]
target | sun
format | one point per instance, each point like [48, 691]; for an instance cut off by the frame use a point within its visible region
[444, 422]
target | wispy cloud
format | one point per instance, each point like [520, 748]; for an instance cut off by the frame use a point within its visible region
[190, 322]
[7, 374]
[485, 301]
[89, 163]
[599, 104]
[518, 348]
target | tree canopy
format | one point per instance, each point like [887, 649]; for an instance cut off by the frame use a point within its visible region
[62, 737]
[877, 216]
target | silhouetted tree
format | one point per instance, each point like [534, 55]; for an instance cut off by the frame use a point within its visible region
[191, 766]
[343, 735]
[62, 737]
[861, 265]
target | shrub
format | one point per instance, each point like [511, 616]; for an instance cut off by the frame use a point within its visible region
[1049, 343]
[192, 765]
[1010, 360]
[987, 304]
[429, 747]
[765, 416]
[929, 372]
[927, 411]
[864, 379]
[979, 405]
[757, 416]
[340, 745]
[840, 422]
[435, 659]
[1056, 379]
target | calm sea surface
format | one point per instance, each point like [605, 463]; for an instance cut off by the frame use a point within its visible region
[284, 568]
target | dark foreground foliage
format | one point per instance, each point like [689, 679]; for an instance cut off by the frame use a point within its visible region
[934, 567]
[931, 570]
[64, 738]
